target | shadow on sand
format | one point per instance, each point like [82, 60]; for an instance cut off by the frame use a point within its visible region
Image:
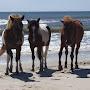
[23, 76]
[47, 73]
[82, 73]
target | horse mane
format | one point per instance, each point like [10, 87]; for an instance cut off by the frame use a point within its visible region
[9, 23]
[67, 19]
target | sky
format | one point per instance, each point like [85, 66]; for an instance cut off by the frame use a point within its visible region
[44, 5]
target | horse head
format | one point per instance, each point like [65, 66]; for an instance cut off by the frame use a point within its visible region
[68, 29]
[14, 28]
[33, 27]
[15, 23]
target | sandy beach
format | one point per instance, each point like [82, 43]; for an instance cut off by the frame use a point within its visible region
[49, 79]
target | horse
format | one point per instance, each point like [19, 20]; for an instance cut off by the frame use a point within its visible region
[39, 36]
[12, 38]
[71, 35]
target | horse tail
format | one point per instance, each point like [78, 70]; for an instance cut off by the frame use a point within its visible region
[49, 31]
[2, 50]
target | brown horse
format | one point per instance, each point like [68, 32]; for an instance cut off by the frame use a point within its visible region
[12, 38]
[71, 35]
[39, 36]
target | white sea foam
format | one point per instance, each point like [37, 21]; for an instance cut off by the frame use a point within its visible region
[55, 43]
[4, 21]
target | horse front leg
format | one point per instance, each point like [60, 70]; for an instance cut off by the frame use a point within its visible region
[72, 56]
[66, 53]
[60, 54]
[39, 52]
[76, 52]
[33, 58]
[8, 59]
[18, 52]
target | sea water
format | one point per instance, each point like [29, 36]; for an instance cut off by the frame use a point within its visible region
[53, 20]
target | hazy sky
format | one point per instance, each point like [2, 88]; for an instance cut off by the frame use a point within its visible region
[44, 5]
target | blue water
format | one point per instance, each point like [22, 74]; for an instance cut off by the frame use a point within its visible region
[51, 18]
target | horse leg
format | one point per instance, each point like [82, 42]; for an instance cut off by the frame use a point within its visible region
[72, 56]
[46, 50]
[66, 53]
[18, 51]
[60, 54]
[33, 58]
[8, 59]
[76, 52]
[39, 51]
[20, 65]
[11, 65]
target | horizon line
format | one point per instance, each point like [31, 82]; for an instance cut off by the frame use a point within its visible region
[48, 11]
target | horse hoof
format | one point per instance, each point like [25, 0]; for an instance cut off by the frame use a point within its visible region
[10, 70]
[45, 67]
[32, 70]
[6, 73]
[71, 69]
[21, 69]
[17, 72]
[41, 69]
[76, 67]
[65, 66]
[60, 68]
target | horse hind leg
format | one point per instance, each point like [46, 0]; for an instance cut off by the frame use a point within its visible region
[76, 52]
[45, 56]
[11, 65]
[60, 54]
[20, 65]
[72, 56]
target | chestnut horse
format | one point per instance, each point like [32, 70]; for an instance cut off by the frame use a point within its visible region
[71, 35]
[39, 36]
[12, 38]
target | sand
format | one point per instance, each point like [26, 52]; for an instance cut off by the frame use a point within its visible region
[49, 79]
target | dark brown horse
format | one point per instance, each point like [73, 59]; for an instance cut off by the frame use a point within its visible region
[39, 36]
[12, 38]
[71, 35]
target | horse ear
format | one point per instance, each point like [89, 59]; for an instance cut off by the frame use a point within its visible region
[28, 21]
[11, 18]
[22, 17]
[62, 21]
[38, 20]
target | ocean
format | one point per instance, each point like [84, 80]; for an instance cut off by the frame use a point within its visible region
[50, 18]
[53, 20]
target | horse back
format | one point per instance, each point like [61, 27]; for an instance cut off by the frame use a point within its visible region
[45, 33]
